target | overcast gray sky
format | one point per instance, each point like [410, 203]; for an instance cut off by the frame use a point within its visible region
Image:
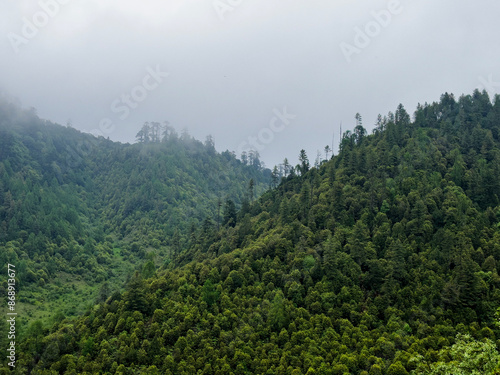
[280, 74]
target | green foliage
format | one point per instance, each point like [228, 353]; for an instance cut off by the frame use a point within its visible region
[380, 261]
[466, 357]
[229, 213]
[77, 211]
[277, 314]
[209, 293]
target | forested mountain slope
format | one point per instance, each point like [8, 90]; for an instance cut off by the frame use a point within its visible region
[372, 263]
[77, 211]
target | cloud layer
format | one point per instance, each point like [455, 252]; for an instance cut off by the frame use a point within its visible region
[232, 64]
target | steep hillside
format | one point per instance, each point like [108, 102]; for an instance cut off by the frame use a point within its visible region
[374, 263]
[78, 214]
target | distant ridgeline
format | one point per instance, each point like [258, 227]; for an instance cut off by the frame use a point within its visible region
[76, 210]
[380, 260]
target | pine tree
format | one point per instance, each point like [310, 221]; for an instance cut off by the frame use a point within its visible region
[229, 217]
[303, 167]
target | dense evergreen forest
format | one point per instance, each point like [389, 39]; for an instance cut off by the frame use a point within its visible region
[79, 214]
[380, 260]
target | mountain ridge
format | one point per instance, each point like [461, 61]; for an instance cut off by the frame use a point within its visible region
[383, 260]
[73, 206]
